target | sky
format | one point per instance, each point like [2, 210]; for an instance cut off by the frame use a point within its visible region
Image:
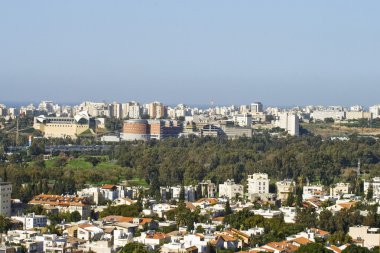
[281, 53]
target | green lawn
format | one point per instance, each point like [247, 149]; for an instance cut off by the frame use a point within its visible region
[81, 163]
[78, 164]
[106, 165]
[49, 163]
[137, 182]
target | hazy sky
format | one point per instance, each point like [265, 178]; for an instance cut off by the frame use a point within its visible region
[231, 52]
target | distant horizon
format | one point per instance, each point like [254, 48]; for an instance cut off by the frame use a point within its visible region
[19, 104]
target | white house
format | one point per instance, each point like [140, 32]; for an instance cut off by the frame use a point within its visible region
[31, 220]
[230, 189]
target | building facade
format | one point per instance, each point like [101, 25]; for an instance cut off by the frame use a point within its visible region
[229, 189]
[258, 183]
[5, 198]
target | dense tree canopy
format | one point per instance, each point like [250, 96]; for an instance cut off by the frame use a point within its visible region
[313, 248]
[188, 161]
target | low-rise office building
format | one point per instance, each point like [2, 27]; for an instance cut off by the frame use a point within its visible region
[62, 127]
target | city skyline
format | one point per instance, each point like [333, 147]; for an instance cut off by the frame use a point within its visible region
[281, 53]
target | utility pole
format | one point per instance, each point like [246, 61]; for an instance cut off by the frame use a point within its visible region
[17, 133]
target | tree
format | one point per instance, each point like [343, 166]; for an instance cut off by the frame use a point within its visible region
[370, 192]
[290, 200]
[134, 247]
[329, 120]
[182, 194]
[227, 208]
[199, 229]
[60, 162]
[326, 221]
[306, 217]
[36, 209]
[313, 248]
[93, 160]
[339, 237]
[356, 249]
[75, 216]
[37, 147]
[5, 224]
[123, 210]
[5, 175]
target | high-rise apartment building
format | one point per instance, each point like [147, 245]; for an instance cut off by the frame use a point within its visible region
[156, 110]
[256, 107]
[258, 183]
[289, 122]
[5, 198]
[375, 110]
[116, 110]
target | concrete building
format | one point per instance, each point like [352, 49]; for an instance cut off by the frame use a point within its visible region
[208, 189]
[112, 192]
[156, 110]
[135, 129]
[141, 129]
[289, 122]
[353, 115]
[211, 130]
[92, 194]
[64, 203]
[310, 191]
[116, 110]
[243, 120]
[256, 107]
[32, 220]
[46, 106]
[12, 112]
[375, 182]
[356, 108]
[94, 109]
[365, 236]
[62, 127]
[233, 132]
[131, 110]
[258, 183]
[375, 110]
[5, 198]
[229, 189]
[339, 189]
[284, 189]
[322, 115]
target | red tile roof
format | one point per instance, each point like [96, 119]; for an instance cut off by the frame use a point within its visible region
[109, 187]
[301, 240]
[58, 200]
[116, 218]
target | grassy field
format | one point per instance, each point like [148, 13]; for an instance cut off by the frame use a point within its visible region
[81, 163]
[78, 163]
[329, 130]
[137, 182]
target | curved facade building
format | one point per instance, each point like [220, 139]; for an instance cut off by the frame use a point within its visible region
[136, 129]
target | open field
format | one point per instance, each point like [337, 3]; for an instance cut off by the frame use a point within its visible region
[329, 130]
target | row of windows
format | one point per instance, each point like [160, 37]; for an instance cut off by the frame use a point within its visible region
[60, 125]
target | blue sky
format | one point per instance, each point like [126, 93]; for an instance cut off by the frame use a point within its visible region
[231, 52]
